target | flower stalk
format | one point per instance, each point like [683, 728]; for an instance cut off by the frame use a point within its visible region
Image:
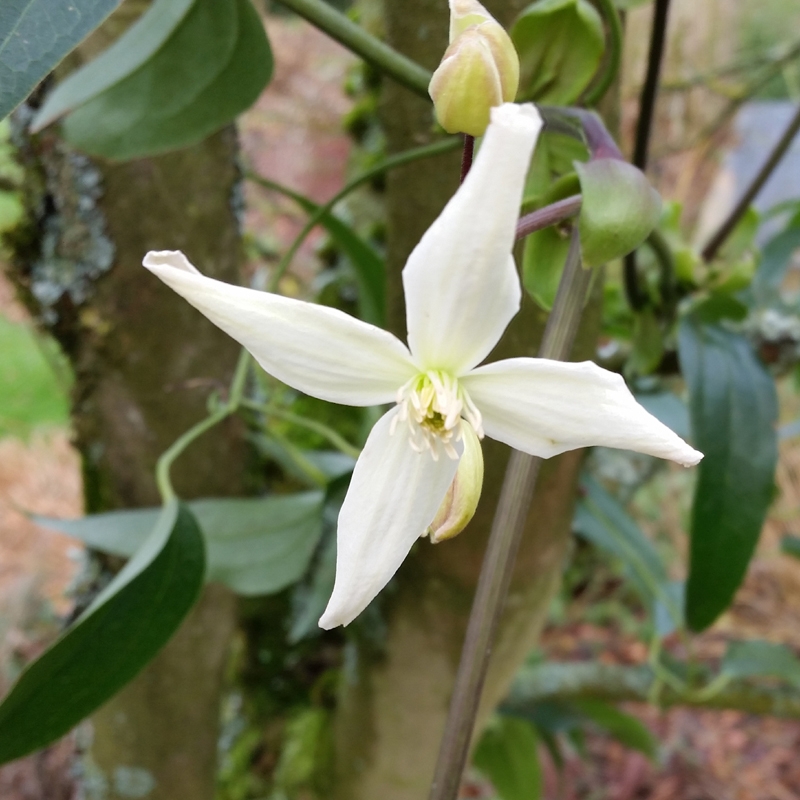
[548, 215]
[467, 155]
[230, 406]
[504, 540]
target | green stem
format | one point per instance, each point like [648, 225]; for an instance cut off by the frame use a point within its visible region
[614, 683]
[398, 160]
[507, 528]
[613, 58]
[355, 38]
[549, 215]
[169, 456]
[338, 441]
[666, 262]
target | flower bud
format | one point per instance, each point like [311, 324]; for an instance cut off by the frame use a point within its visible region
[480, 69]
[461, 500]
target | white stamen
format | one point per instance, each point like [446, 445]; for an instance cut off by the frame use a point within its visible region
[433, 404]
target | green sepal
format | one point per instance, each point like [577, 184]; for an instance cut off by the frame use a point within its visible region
[619, 209]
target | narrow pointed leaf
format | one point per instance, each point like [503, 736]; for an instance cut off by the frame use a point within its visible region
[126, 625]
[626, 729]
[369, 267]
[758, 659]
[35, 35]
[255, 545]
[734, 412]
[602, 520]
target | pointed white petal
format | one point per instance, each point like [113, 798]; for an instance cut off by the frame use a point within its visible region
[320, 351]
[460, 281]
[546, 407]
[393, 497]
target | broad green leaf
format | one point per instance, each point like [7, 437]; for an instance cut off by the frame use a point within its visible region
[213, 66]
[35, 35]
[734, 410]
[604, 522]
[507, 755]
[626, 729]
[135, 47]
[757, 659]
[369, 267]
[619, 209]
[120, 632]
[255, 545]
[560, 45]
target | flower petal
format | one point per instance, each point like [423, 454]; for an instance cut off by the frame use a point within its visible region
[546, 407]
[320, 351]
[461, 284]
[393, 497]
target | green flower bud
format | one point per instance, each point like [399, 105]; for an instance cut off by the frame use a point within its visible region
[480, 69]
[461, 500]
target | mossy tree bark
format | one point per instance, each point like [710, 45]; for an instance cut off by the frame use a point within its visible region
[145, 363]
[391, 716]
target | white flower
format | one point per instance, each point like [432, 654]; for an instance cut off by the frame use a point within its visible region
[462, 289]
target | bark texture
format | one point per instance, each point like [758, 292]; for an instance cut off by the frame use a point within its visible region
[393, 707]
[145, 363]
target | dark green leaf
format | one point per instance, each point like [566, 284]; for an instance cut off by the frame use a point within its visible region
[604, 522]
[508, 756]
[734, 410]
[211, 68]
[619, 209]
[560, 45]
[255, 545]
[35, 35]
[627, 730]
[126, 625]
[756, 659]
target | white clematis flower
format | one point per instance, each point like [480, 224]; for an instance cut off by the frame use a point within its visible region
[462, 289]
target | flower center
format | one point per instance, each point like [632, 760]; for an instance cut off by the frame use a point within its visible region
[433, 404]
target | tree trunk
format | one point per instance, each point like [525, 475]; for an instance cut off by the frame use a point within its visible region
[145, 363]
[392, 710]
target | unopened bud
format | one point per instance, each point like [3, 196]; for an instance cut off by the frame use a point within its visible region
[480, 69]
[461, 500]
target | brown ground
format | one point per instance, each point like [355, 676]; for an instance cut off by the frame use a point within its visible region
[704, 755]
